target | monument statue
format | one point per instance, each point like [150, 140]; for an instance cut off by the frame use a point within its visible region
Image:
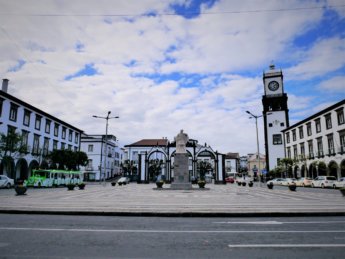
[181, 141]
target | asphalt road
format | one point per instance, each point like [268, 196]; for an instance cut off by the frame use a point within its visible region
[58, 236]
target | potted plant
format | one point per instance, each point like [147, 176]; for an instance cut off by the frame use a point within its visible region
[20, 188]
[292, 186]
[342, 190]
[113, 183]
[239, 183]
[201, 183]
[81, 186]
[160, 183]
[70, 186]
[250, 184]
[270, 185]
[244, 183]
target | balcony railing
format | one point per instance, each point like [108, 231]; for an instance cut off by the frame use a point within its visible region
[311, 156]
[342, 150]
[320, 154]
[331, 152]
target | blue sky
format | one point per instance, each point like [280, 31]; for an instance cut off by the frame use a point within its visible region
[167, 65]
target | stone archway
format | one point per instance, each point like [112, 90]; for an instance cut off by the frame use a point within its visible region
[322, 168]
[333, 169]
[157, 165]
[312, 171]
[295, 171]
[303, 171]
[22, 169]
[342, 168]
[33, 165]
[206, 163]
[44, 164]
[7, 167]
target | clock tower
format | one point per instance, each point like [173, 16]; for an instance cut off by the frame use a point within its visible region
[275, 114]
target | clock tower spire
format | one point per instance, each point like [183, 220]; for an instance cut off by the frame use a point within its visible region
[275, 114]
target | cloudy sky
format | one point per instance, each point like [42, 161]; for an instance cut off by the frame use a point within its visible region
[167, 65]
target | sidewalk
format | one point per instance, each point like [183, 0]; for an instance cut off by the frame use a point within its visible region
[143, 200]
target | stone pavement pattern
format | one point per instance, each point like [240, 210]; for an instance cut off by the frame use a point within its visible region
[142, 199]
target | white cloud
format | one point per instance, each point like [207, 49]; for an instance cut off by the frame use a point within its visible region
[335, 84]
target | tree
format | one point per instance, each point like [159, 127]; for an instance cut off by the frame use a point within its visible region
[11, 146]
[203, 167]
[67, 159]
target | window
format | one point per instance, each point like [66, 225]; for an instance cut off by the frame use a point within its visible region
[340, 116]
[295, 154]
[63, 145]
[270, 125]
[56, 130]
[282, 124]
[76, 138]
[330, 142]
[342, 141]
[1, 102]
[55, 144]
[13, 112]
[288, 137]
[90, 148]
[38, 122]
[36, 145]
[311, 149]
[48, 122]
[45, 146]
[302, 150]
[69, 147]
[25, 138]
[294, 135]
[319, 147]
[328, 119]
[70, 134]
[309, 132]
[277, 139]
[288, 152]
[318, 125]
[26, 119]
[300, 129]
[63, 132]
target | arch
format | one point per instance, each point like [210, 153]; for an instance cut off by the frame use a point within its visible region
[22, 169]
[7, 167]
[303, 171]
[157, 165]
[205, 150]
[322, 168]
[44, 164]
[333, 168]
[342, 168]
[295, 171]
[312, 171]
[33, 165]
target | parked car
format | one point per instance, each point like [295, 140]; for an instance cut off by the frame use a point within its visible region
[123, 180]
[304, 181]
[324, 182]
[6, 182]
[340, 183]
[277, 181]
[289, 181]
[230, 179]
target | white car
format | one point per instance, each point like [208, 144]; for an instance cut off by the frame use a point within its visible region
[6, 182]
[304, 181]
[123, 180]
[340, 183]
[289, 181]
[277, 181]
[324, 182]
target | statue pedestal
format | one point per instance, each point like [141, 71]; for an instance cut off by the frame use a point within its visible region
[181, 173]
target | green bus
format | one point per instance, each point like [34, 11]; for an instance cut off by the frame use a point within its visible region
[53, 178]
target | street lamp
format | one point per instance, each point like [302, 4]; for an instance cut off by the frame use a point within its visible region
[106, 141]
[257, 140]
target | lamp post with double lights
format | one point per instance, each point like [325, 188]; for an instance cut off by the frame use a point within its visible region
[257, 140]
[107, 118]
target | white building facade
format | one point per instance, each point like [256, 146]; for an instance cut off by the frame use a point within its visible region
[41, 133]
[105, 157]
[317, 143]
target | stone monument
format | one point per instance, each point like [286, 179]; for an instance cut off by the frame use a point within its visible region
[181, 170]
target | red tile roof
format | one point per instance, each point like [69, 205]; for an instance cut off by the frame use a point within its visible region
[149, 143]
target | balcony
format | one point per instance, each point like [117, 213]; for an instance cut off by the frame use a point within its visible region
[341, 150]
[331, 152]
[311, 156]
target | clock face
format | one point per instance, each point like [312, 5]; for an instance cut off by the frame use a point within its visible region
[273, 85]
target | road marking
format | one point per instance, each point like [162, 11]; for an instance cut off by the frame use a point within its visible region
[168, 231]
[284, 245]
[279, 222]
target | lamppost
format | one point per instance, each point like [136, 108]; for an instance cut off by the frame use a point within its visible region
[106, 141]
[257, 140]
